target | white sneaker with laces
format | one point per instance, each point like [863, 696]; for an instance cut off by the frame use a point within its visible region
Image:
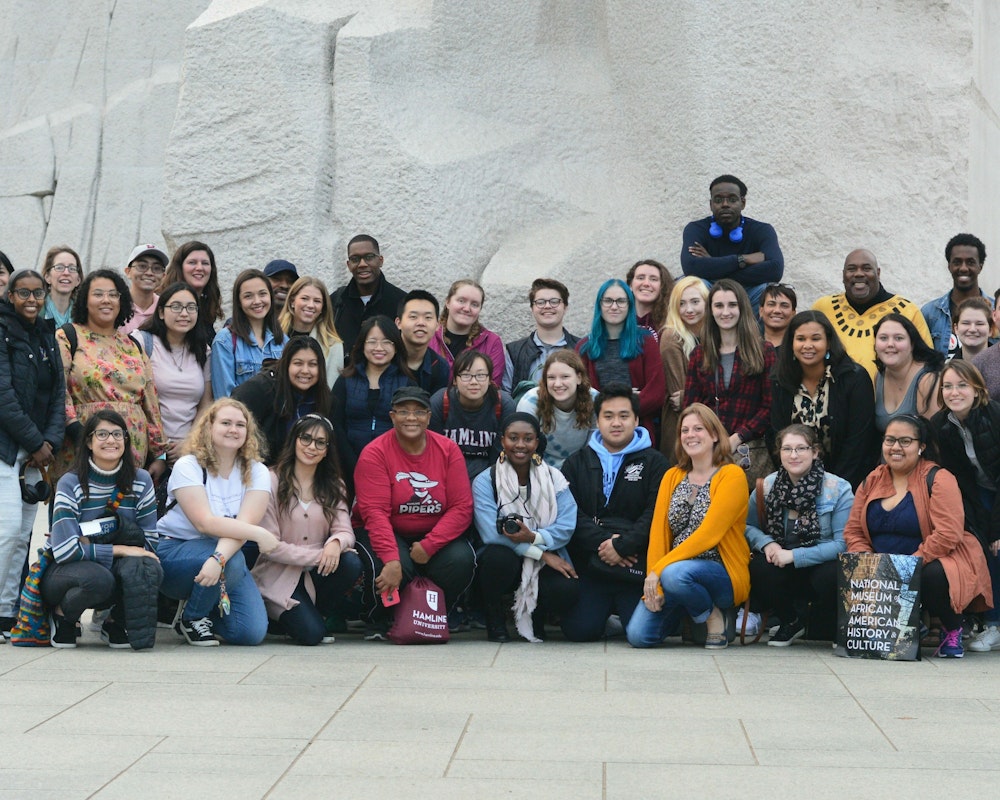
[753, 622]
[987, 640]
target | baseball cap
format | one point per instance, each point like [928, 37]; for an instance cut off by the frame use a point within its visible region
[278, 266]
[148, 250]
[411, 394]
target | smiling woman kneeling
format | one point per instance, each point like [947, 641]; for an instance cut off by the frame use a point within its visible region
[909, 505]
[698, 555]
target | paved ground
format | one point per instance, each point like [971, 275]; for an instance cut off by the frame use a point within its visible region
[474, 719]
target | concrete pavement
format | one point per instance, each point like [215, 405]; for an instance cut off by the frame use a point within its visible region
[471, 718]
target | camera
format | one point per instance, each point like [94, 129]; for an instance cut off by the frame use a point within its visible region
[509, 524]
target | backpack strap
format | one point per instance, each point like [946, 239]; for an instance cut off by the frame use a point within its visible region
[204, 482]
[147, 342]
[69, 331]
[931, 473]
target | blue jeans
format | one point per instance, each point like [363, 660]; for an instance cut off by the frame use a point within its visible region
[694, 586]
[246, 622]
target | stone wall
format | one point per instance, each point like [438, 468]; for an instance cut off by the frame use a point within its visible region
[500, 140]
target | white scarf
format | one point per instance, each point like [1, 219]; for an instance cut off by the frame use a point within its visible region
[544, 484]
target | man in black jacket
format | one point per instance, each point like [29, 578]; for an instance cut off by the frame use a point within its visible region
[549, 300]
[366, 294]
[615, 480]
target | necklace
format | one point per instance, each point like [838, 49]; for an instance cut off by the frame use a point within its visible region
[178, 361]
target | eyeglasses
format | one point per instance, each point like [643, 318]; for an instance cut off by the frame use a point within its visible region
[72, 269]
[24, 294]
[902, 441]
[608, 302]
[798, 450]
[379, 343]
[183, 308]
[419, 414]
[478, 377]
[318, 442]
[100, 295]
[156, 269]
[102, 434]
[743, 451]
[368, 258]
[552, 302]
[779, 286]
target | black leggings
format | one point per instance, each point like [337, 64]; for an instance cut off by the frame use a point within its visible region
[306, 623]
[499, 572]
[936, 596]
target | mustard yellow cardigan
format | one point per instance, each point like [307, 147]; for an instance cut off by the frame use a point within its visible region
[724, 527]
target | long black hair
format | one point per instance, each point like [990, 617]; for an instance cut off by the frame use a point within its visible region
[391, 332]
[787, 370]
[126, 471]
[196, 339]
[284, 393]
[328, 485]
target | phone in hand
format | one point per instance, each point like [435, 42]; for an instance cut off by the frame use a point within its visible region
[390, 598]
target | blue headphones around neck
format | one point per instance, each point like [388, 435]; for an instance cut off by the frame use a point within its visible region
[735, 235]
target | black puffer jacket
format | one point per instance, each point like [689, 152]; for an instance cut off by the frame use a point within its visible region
[32, 386]
[983, 424]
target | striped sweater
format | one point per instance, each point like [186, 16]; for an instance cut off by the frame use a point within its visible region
[70, 508]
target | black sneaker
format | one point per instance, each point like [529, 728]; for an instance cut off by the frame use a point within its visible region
[376, 632]
[6, 623]
[198, 632]
[113, 635]
[787, 633]
[63, 633]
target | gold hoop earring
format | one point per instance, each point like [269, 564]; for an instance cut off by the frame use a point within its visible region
[503, 457]
[536, 459]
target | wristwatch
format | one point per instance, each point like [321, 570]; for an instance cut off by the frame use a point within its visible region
[740, 262]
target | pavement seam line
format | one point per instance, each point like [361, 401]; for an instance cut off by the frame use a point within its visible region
[722, 677]
[316, 735]
[458, 744]
[251, 672]
[746, 735]
[23, 663]
[604, 780]
[71, 705]
[864, 710]
[125, 769]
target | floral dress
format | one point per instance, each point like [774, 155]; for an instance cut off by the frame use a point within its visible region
[109, 371]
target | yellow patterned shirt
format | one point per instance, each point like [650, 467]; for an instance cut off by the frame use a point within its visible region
[856, 329]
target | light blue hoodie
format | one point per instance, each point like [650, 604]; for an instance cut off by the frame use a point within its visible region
[612, 462]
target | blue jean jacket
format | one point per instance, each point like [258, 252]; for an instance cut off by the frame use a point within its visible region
[233, 366]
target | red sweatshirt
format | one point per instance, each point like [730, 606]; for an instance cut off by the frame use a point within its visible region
[425, 498]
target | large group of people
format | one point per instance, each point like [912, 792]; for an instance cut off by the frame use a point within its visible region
[704, 448]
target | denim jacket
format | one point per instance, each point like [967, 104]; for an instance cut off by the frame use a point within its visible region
[937, 315]
[233, 366]
[833, 506]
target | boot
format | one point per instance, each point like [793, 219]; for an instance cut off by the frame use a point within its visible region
[496, 623]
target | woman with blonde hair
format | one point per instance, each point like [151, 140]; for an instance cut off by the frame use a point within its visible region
[680, 335]
[216, 497]
[563, 404]
[460, 328]
[698, 558]
[308, 312]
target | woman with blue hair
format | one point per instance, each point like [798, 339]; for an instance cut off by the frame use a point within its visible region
[618, 350]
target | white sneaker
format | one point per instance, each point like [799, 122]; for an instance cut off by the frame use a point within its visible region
[753, 622]
[988, 639]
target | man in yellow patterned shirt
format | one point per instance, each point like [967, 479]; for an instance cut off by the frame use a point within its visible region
[864, 301]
